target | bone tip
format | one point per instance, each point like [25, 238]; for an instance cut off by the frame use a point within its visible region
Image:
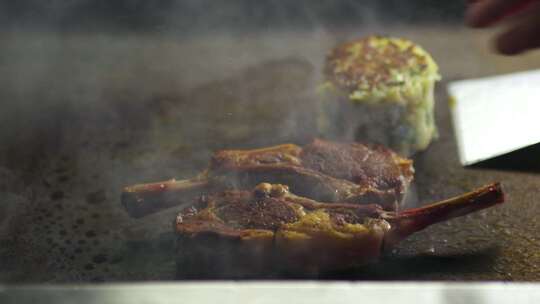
[497, 187]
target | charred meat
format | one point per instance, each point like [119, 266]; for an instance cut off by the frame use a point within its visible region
[242, 233]
[322, 170]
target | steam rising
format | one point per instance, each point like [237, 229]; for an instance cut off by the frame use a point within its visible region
[134, 92]
[196, 16]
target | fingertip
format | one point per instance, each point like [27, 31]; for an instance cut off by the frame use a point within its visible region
[475, 17]
[508, 51]
[488, 12]
[505, 45]
[471, 17]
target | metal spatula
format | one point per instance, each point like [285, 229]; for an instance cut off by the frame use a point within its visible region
[496, 115]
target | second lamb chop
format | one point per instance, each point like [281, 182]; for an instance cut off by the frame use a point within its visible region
[322, 170]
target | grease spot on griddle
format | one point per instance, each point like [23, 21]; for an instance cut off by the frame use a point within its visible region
[81, 242]
[95, 215]
[63, 178]
[121, 145]
[62, 232]
[60, 170]
[96, 197]
[99, 258]
[90, 234]
[80, 221]
[46, 184]
[56, 195]
[89, 266]
[116, 259]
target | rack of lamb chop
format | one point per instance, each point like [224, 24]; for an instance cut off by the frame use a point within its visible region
[322, 170]
[323, 206]
[238, 233]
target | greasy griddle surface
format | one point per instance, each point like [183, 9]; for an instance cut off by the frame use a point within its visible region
[62, 173]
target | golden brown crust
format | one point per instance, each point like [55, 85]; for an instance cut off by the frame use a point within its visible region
[374, 61]
[319, 236]
[323, 170]
[285, 154]
[267, 208]
[271, 227]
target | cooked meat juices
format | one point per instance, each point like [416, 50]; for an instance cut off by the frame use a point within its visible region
[322, 170]
[244, 233]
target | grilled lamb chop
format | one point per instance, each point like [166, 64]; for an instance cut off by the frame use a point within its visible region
[322, 170]
[252, 233]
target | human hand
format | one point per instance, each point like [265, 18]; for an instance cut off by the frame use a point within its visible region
[522, 34]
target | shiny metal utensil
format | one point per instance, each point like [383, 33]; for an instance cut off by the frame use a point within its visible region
[496, 115]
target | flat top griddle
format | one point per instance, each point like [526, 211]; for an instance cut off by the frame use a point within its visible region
[87, 114]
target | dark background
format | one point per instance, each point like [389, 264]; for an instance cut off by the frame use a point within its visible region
[187, 16]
